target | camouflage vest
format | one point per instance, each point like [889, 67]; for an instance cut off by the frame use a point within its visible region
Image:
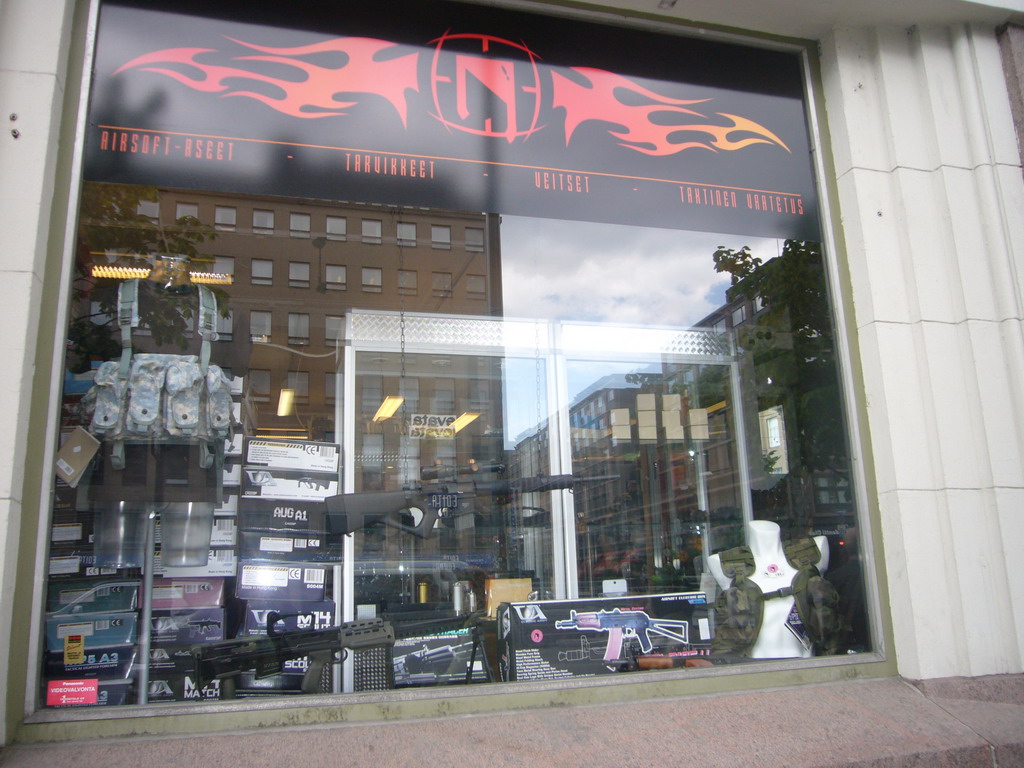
[148, 398]
[739, 609]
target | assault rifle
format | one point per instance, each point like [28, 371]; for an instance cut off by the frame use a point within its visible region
[417, 509]
[621, 624]
[420, 666]
[225, 660]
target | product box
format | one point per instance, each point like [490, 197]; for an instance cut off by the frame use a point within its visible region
[222, 562]
[224, 532]
[281, 546]
[262, 581]
[438, 659]
[297, 615]
[182, 628]
[555, 639]
[78, 531]
[228, 504]
[288, 484]
[179, 593]
[87, 692]
[75, 561]
[233, 447]
[92, 596]
[171, 659]
[498, 591]
[307, 515]
[292, 454]
[231, 474]
[107, 663]
[174, 686]
[97, 630]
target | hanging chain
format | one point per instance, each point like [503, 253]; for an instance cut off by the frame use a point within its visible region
[538, 365]
[403, 436]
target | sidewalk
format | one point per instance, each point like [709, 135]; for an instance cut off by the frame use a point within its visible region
[878, 723]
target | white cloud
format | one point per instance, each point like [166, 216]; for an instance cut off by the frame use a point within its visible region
[573, 270]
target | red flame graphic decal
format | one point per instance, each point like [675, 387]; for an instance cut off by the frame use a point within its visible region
[651, 123]
[315, 93]
[598, 101]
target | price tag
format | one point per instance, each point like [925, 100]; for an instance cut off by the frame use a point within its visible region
[74, 650]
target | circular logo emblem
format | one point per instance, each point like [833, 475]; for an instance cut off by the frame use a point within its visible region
[485, 86]
[537, 636]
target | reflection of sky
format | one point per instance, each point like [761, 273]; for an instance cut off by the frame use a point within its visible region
[572, 270]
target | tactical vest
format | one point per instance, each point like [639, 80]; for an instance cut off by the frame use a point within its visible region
[739, 609]
[159, 398]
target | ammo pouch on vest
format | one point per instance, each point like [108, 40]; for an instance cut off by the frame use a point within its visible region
[739, 610]
[157, 398]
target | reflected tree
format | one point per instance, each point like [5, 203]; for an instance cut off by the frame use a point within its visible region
[113, 228]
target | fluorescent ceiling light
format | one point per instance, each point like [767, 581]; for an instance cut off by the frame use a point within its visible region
[465, 420]
[119, 272]
[286, 403]
[387, 409]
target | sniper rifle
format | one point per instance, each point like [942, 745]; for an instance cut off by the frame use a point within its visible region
[225, 660]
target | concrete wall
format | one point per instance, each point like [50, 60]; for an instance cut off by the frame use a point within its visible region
[930, 189]
[33, 50]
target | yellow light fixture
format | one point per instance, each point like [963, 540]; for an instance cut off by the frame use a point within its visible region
[119, 273]
[212, 278]
[465, 420]
[286, 402]
[387, 409]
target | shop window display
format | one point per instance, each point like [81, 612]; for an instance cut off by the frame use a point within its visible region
[610, 437]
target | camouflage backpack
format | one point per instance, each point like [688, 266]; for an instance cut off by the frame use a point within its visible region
[739, 609]
[153, 398]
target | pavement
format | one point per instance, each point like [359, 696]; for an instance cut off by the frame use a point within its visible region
[887, 723]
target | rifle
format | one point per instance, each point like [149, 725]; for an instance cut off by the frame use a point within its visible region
[619, 624]
[416, 666]
[227, 659]
[416, 509]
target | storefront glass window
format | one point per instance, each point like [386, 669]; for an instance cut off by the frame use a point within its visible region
[569, 439]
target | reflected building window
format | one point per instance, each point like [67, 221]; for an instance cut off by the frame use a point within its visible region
[299, 224]
[407, 282]
[474, 239]
[442, 284]
[406, 233]
[262, 271]
[336, 276]
[337, 228]
[259, 325]
[186, 210]
[298, 274]
[225, 218]
[298, 328]
[441, 237]
[372, 231]
[373, 280]
[262, 222]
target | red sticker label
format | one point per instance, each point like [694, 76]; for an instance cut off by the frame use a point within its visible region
[70, 693]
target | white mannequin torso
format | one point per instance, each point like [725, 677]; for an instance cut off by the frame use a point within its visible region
[772, 572]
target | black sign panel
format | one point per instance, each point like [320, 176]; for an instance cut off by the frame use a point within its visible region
[454, 106]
